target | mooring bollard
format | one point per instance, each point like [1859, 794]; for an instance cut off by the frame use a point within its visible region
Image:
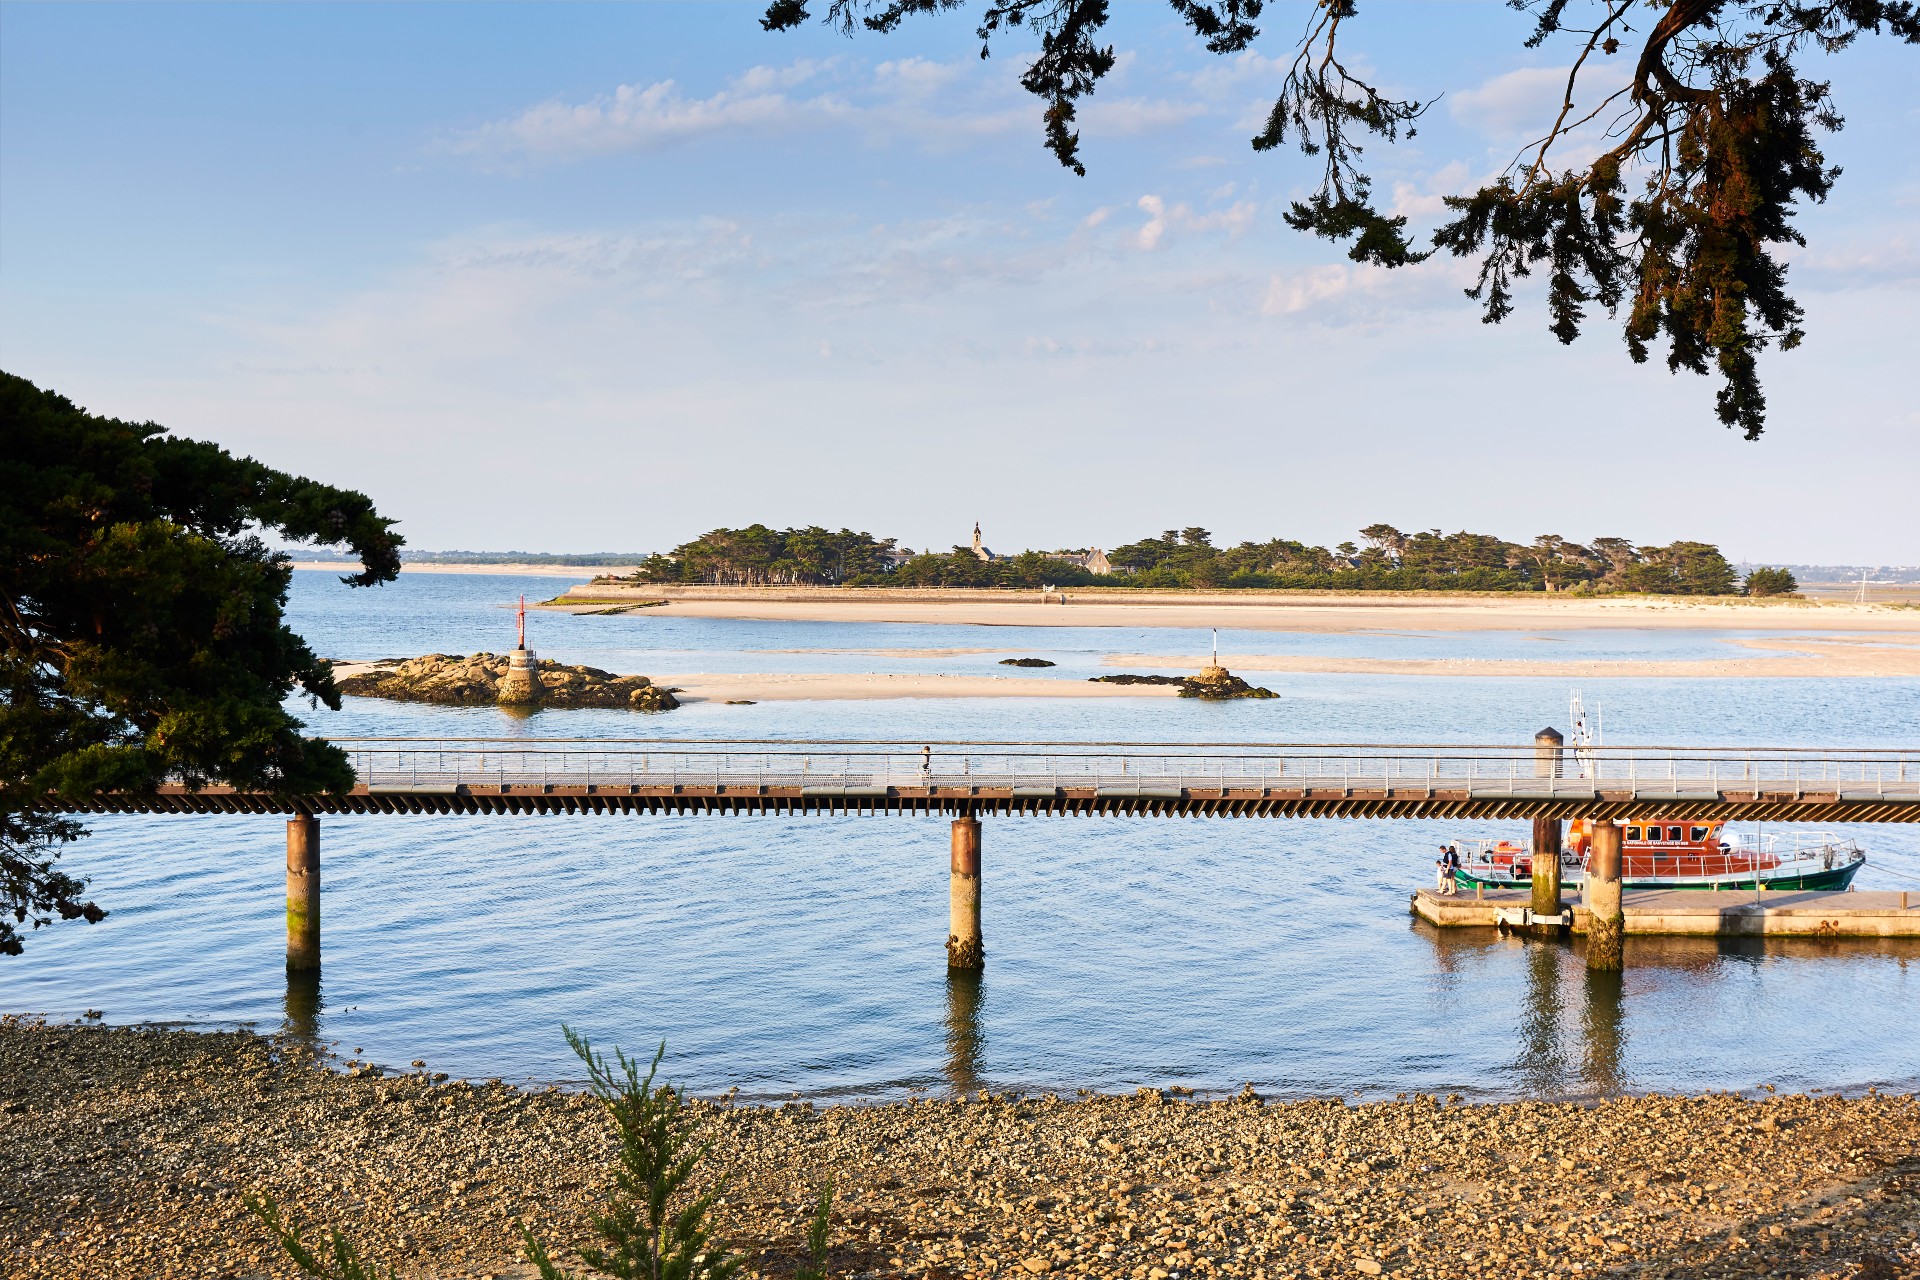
[964, 948]
[303, 893]
[1605, 922]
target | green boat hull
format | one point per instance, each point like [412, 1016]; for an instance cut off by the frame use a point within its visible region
[1828, 879]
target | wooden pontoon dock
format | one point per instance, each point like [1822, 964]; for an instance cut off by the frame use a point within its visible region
[1698, 912]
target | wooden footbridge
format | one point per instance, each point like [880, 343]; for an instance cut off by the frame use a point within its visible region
[1544, 781]
[1197, 779]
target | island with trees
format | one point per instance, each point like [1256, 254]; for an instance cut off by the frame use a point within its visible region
[1383, 559]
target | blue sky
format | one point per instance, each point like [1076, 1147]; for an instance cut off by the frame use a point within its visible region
[604, 276]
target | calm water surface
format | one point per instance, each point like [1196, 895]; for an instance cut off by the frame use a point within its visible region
[805, 955]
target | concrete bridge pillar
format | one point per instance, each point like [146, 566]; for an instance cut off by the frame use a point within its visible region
[303, 893]
[1546, 872]
[1605, 922]
[964, 948]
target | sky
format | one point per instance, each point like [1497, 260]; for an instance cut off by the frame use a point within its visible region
[601, 277]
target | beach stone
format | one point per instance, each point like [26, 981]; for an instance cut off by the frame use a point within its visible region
[135, 1145]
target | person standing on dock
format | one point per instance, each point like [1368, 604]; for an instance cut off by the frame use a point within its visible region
[1442, 872]
[1451, 858]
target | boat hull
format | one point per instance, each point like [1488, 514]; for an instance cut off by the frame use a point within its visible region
[1829, 879]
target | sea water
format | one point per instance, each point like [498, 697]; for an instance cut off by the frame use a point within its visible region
[804, 955]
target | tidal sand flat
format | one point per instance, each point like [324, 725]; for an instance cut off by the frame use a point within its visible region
[1789, 657]
[1259, 610]
[130, 1150]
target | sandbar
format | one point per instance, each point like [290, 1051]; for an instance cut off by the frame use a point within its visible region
[1258, 610]
[859, 686]
[775, 687]
[1804, 657]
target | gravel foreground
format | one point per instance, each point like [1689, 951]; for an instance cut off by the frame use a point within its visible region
[127, 1150]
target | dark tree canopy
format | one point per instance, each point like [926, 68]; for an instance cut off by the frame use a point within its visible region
[1678, 222]
[141, 616]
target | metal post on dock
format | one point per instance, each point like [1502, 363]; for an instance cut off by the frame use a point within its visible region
[964, 948]
[1605, 922]
[303, 893]
[1548, 761]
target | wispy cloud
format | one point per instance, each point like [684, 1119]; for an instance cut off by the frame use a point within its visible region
[1162, 218]
[1523, 103]
[647, 117]
[937, 105]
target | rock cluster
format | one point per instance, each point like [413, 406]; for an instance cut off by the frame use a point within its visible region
[128, 1151]
[1025, 662]
[1212, 683]
[477, 681]
[1216, 683]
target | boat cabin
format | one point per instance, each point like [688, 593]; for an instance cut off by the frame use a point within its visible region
[1653, 837]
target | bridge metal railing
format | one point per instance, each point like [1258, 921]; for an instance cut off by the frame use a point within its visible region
[1147, 769]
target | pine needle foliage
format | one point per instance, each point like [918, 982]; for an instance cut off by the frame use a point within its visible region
[818, 1235]
[653, 1228]
[336, 1259]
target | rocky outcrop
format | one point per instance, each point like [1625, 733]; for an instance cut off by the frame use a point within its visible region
[1025, 662]
[1217, 683]
[480, 681]
[1213, 684]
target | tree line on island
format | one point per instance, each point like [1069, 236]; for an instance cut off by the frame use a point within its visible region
[1384, 559]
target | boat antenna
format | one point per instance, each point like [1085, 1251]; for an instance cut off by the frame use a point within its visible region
[1585, 738]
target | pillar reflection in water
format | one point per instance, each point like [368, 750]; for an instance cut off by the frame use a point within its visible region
[1601, 1026]
[1542, 1065]
[1546, 1062]
[963, 1029]
[302, 1007]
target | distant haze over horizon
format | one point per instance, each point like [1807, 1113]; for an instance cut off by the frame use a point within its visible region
[1901, 574]
[615, 275]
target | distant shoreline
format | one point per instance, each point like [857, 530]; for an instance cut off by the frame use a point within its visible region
[575, 571]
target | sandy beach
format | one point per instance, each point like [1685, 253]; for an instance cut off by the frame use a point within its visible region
[129, 1150]
[1786, 657]
[798, 687]
[1797, 657]
[1254, 610]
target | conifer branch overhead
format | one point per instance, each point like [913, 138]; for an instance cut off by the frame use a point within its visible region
[1678, 220]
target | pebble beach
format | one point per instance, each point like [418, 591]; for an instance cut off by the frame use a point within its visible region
[129, 1151]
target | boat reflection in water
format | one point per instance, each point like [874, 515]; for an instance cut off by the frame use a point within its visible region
[1572, 1028]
